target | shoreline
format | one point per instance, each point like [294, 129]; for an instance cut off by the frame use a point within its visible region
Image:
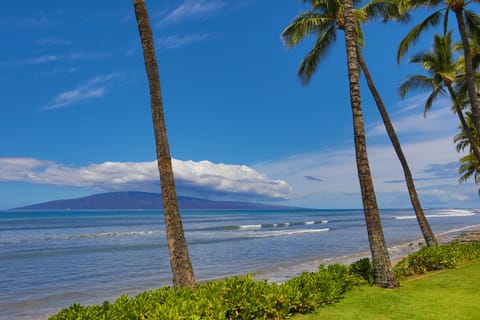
[277, 273]
[397, 252]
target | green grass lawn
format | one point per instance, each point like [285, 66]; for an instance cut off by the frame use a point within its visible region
[450, 294]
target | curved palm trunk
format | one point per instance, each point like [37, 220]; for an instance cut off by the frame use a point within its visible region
[466, 128]
[472, 92]
[417, 207]
[381, 261]
[179, 258]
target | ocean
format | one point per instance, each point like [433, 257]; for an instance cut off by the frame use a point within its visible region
[52, 259]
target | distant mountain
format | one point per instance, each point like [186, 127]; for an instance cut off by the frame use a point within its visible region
[143, 200]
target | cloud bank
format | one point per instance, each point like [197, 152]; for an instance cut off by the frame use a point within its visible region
[427, 145]
[203, 179]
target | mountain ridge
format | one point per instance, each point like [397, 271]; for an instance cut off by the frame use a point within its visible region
[136, 200]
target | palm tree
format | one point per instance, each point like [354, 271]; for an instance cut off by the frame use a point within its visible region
[425, 228]
[179, 258]
[443, 71]
[383, 271]
[467, 22]
[469, 164]
[323, 21]
[373, 10]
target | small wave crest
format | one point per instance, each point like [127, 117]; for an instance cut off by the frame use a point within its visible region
[277, 233]
[82, 236]
[263, 225]
[441, 214]
[251, 226]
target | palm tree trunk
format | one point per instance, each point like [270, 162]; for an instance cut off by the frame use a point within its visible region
[179, 258]
[472, 92]
[473, 142]
[412, 191]
[381, 261]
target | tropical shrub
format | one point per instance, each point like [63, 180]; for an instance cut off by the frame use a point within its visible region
[244, 298]
[437, 258]
[364, 269]
[230, 298]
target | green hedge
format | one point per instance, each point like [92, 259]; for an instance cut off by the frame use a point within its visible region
[244, 298]
[230, 298]
[437, 258]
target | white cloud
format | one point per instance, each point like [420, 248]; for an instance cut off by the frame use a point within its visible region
[197, 9]
[202, 178]
[44, 59]
[427, 145]
[175, 41]
[92, 88]
[53, 42]
[410, 120]
[37, 20]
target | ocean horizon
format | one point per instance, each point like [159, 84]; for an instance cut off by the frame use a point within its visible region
[51, 259]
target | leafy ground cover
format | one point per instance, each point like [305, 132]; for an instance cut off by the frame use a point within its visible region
[446, 294]
[451, 295]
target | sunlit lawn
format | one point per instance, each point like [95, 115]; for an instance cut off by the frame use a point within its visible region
[449, 294]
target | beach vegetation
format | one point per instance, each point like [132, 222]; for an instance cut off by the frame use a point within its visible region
[441, 295]
[437, 258]
[242, 297]
[239, 297]
[180, 262]
[469, 164]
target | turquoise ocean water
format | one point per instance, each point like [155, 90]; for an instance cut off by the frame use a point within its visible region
[49, 260]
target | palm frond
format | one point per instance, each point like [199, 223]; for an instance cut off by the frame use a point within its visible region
[445, 20]
[359, 34]
[431, 98]
[461, 139]
[427, 60]
[311, 61]
[324, 6]
[469, 167]
[307, 23]
[415, 82]
[384, 10]
[472, 21]
[414, 34]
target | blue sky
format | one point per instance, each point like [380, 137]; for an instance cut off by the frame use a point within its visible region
[75, 115]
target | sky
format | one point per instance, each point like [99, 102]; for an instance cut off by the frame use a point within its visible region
[75, 111]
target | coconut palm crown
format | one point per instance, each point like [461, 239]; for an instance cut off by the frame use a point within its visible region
[445, 75]
[468, 23]
[323, 21]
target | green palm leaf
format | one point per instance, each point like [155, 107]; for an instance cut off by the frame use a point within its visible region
[416, 82]
[385, 10]
[472, 20]
[307, 23]
[311, 61]
[412, 37]
[431, 98]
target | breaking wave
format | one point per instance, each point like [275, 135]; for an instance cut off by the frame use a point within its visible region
[448, 213]
[82, 236]
[287, 232]
[262, 226]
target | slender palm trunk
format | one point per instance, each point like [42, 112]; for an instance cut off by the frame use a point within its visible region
[472, 92]
[179, 258]
[381, 261]
[412, 191]
[473, 142]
